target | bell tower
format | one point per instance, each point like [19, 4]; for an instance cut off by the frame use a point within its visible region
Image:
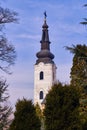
[44, 68]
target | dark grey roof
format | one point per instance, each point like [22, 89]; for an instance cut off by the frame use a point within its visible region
[44, 55]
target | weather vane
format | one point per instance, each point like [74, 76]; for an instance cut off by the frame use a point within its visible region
[45, 15]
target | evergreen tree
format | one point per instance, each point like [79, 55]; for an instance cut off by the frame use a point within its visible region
[85, 125]
[84, 99]
[25, 117]
[5, 110]
[61, 108]
[85, 19]
[39, 111]
[40, 115]
[79, 75]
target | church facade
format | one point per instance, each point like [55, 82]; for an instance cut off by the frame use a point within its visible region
[44, 68]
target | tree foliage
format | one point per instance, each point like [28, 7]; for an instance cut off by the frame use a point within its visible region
[79, 75]
[40, 114]
[39, 111]
[85, 19]
[61, 108]
[5, 110]
[25, 117]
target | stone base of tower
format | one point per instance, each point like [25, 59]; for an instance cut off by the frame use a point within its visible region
[44, 78]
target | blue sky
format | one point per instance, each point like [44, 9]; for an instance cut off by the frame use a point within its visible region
[63, 18]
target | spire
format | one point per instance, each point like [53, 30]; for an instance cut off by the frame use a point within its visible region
[45, 35]
[45, 55]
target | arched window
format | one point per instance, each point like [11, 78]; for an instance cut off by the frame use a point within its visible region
[41, 75]
[41, 95]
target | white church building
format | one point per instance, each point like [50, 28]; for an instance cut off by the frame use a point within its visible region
[44, 68]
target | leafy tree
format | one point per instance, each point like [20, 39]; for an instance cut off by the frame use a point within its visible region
[61, 108]
[25, 117]
[5, 110]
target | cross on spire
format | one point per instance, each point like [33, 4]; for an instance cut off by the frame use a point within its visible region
[45, 15]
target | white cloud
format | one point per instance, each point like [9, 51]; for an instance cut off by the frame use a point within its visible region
[67, 28]
[34, 37]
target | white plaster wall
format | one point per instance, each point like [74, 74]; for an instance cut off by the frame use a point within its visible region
[45, 84]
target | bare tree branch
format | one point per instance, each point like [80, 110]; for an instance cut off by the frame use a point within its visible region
[7, 16]
[7, 54]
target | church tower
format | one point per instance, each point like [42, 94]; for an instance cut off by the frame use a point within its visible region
[45, 68]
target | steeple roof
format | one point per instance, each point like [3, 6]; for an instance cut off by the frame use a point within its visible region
[44, 55]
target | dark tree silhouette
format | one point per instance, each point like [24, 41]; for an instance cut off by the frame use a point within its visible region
[61, 108]
[85, 19]
[79, 76]
[25, 116]
[5, 110]
[7, 16]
